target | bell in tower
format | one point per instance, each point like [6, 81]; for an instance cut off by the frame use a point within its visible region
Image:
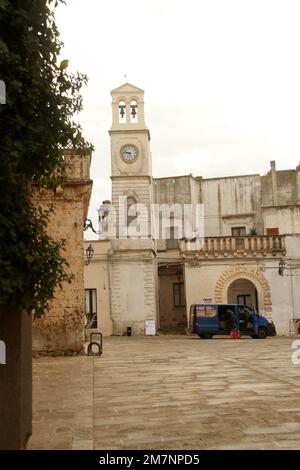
[133, 111]
[122, 111]
[128, 107]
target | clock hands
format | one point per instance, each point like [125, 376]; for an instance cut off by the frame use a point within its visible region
[129, 153]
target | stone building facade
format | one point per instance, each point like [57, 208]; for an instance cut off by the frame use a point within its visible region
[250, 223]
[61, 329]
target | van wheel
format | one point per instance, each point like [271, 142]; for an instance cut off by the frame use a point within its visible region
[206, 336]
[262, 334]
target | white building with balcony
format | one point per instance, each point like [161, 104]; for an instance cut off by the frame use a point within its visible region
[251, 222]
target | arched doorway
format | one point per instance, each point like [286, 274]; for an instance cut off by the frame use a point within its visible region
[242, 291]
[252, 274]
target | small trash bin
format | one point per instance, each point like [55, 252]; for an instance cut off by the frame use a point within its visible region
[129, 330]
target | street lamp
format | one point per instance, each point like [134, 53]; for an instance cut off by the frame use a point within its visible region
[87, 223]
[89, 254]
[281, 267]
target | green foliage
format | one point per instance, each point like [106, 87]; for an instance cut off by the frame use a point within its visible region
[253, 232]
[31, 263]
[36, 124]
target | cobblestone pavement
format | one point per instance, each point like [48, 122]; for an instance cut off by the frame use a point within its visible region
[170, 392]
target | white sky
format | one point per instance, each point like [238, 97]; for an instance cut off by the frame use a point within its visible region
[221, 81]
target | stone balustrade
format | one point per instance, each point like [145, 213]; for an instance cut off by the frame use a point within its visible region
[235, 246]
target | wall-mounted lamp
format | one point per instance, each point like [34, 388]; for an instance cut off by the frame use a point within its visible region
[281, 267]
[87, 223]
[89, 254]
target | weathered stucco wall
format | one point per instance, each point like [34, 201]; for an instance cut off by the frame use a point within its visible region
[251, 201]
[286, 219]
[133, 292]
[230, 202]
[280, 188]
[293, 272]
[173, 190]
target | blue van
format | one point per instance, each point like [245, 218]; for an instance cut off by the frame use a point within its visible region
[208, 320]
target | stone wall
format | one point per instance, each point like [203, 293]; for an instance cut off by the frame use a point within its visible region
[250, 201]
[61, 328]
[231, 202]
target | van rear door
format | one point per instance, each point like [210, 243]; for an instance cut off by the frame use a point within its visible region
[192, 319]
[206, 318]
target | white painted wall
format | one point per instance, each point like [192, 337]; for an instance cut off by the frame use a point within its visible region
[282, 311]
[96, 277]
[287, 219]
[230, 202]
[200, 285]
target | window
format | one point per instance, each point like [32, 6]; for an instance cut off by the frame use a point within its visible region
[172, 242]
[238, 231]
[91, 308]
[272, 232]
[245, 315]
[178, 294]
[206, 310]
[243, 299]
[131, 211]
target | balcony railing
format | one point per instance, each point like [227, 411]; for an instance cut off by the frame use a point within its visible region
[235, 246]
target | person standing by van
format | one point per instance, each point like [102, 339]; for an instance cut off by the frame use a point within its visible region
[230, 323]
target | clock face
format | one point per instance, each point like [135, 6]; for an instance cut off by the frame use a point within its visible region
[129, 153]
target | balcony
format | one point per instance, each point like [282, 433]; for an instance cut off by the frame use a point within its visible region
[240, 247]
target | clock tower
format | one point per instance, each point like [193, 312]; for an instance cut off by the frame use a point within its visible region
[132, 260]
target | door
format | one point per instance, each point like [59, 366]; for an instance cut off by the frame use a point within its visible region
[192, 319]
[247, 320]
[255, 321]
[206, 318]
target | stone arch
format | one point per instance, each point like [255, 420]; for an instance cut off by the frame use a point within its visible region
[253, 274]
[133, 194]
[131, 210]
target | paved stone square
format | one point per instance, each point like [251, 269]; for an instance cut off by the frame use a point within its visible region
[170, 392]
